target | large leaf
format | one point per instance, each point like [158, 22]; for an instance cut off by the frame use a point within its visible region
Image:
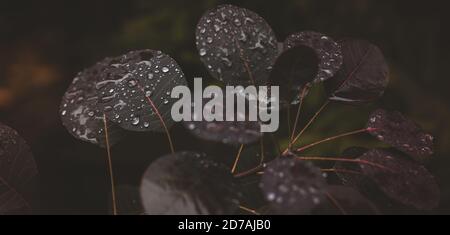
[236, 45]
[363, 76]
[327, 50]
[18, 173]
[79, 111]
[135, 88]
[294, 69]
[292, 186]
[400, 179]
[190, 184]
[345, 200]
[405, 135]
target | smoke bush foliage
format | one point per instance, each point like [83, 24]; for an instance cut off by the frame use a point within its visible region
[131, 92]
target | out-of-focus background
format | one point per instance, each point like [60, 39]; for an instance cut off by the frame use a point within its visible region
[43, 44]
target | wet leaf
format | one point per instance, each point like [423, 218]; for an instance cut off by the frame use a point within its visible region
[236, 45]
[402, 180]
[294, 69]
[131, 83]
[292, 186]
[403, 134]
[346, 200]
[189, 184]
[79, 110]
[327, 50]
[226, 132]
[363, 76]
[18, 173]
[349, 173]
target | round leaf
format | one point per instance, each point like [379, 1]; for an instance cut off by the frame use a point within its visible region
[294, 69]
[79, 111]
[403, 134]
[402, 180]
[292, 186]
[136, 87]
[190, 184]
[363, 76]
[18, 173]
[236, 45]
[327, 50]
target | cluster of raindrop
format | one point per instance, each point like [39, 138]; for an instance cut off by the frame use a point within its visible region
[129, 90]
[293, 186]
[136, 86]
[234, 42]
[328, 51]
[393, 128]
[79, 112]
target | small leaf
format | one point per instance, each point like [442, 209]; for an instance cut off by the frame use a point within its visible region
[189, 184]
[292, 186]
[79, 111]
[405, 135]
[131, 83]
[327, 50]
[18, 173]
[363, 76]
[346, 200]
[236, 45]
[402, 180]
[294, 69]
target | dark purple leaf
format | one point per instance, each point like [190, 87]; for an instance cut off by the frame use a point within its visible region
[131, 83]
[405, 135]
[190, 184]
[294, 69]
[292, 186]
[79, 110]
[363, 76]
[18, 173]
[402, 180]
[327, 50]
[350, 173]
[236, 45]
[346, 200]
[227, 132]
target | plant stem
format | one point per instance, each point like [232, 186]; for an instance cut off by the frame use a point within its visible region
[110, 167]
[163, 123]
[251, 171]
[301, 149]
[334, 159]
[289, 118]
[244, 60]
[336, 203]
[261, 161]
[311, 121]
[252, 211]
[297, 117]
[341, 171]
[238, 156]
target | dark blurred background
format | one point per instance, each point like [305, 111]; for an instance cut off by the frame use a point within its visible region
[43, 44]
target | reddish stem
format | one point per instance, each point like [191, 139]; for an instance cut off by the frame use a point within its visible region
[163, 123]
[301, 149]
